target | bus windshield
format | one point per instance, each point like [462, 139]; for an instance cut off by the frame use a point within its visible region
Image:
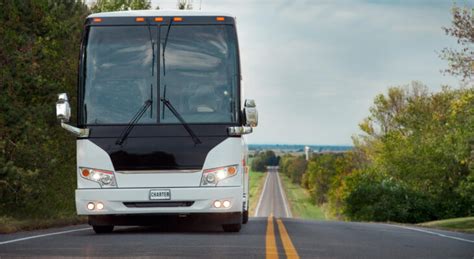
[125, 66]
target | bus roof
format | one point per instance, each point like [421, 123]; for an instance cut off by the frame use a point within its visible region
[146, 13]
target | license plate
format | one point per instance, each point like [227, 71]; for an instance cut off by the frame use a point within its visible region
[160, 194]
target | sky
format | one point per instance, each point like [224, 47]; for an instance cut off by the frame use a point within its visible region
[314, 67]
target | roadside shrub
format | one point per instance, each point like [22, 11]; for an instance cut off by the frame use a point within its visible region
[374, 197]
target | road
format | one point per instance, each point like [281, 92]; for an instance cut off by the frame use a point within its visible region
[273, 199]
[272, 234]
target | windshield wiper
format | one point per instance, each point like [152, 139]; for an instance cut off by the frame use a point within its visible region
[152, 50]
[164, 46]
[133, 122]
[183, 122]
[166, 101]
[164, 67]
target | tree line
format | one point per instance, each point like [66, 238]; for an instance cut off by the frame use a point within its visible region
[262, 159]
[414, 160]
[39, 49]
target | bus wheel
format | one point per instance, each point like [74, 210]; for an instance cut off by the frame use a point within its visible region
[103, 229]
[245, 217]
[232, 227]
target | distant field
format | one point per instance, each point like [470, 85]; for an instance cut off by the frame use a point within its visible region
[300, 201]
[315, 148]
[462, 224]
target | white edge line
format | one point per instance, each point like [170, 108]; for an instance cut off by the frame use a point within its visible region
[261, 196]
[433, 233]
[283, 197]
[44, 235]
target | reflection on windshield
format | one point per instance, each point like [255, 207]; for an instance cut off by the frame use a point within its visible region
[201, 73]
[119, 77]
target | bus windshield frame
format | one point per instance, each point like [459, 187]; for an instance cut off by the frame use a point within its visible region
[199, 73]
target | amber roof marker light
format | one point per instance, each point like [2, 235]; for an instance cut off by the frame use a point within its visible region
[158, 19]
[139, 19]
[177, 19]
[97, 20]
[220, 19]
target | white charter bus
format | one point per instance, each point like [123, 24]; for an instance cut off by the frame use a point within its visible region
[160, 120]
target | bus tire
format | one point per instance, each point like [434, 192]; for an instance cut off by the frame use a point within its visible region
[232, 227]
[245, 217]
[103, 229]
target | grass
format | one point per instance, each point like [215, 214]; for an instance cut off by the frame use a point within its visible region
[457, 224]
[10, 225]
[300, 201]
[256, 182]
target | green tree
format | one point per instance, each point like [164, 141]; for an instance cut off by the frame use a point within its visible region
[461, 62]
[185, 5]
[264, 159]
[294, 167]
[38, 59]
[324, 173]
[421, 140]
[120, 5]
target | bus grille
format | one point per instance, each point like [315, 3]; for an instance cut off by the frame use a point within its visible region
[159, 204]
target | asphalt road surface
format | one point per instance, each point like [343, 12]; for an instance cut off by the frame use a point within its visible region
[273, 236]
[273, 199]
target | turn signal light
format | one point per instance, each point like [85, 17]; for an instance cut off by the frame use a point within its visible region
[85, 172]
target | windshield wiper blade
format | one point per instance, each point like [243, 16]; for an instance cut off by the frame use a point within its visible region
[152, 50]
[133, 122]
[183, 122]
[164, 46]
[163, 106]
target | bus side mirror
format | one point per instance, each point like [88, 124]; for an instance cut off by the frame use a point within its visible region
[250, 113]
[63, 113]
[63, 109]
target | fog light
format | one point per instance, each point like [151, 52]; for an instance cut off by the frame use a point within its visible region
[226, 204]
[90, 206]
[217, 204]
[100, 206]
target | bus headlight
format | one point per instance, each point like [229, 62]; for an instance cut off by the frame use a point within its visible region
[211, 177]
[106, 179]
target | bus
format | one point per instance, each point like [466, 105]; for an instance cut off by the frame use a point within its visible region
[161, 120]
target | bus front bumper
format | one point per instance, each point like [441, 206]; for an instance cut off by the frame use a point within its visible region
[193, 200]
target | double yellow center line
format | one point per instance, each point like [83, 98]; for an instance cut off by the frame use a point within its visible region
[271, 249]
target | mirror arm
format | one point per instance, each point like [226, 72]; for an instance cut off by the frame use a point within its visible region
[82, 133]
[237, 131]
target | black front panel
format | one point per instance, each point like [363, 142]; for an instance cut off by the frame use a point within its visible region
[158, 147]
